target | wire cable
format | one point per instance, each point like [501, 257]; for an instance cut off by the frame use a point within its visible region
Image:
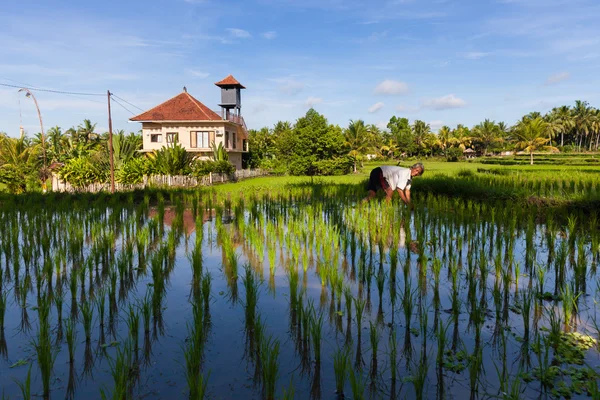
[115, 100]
[125, 101]
[52, 91]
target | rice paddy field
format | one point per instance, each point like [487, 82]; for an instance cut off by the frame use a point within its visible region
[282, 288]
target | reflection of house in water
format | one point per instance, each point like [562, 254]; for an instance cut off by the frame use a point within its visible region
[189, 222]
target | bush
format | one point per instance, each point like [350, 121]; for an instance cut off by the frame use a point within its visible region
[466, 173]
[133, 171]
[336, 166]
[172, 160]
[566, 149]
[453, 154]
[81, 171]
[201, 168]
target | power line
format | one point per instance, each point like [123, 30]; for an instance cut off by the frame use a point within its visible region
[52, 91]
[115, 100]
[123, 100]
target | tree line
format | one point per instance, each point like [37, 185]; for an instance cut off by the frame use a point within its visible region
[310, 146]
[297, 150]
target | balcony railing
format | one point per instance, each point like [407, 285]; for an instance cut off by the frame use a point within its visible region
[235, 119]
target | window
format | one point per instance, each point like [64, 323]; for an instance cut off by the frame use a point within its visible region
[226, 139]
[233, 139]
[200, 140]
[156, 138]
[172, 137]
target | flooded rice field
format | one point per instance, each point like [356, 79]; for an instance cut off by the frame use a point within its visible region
[296, 296]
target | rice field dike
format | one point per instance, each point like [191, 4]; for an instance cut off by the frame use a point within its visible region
[289, 287]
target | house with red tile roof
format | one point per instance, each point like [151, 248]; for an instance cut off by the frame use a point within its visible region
[185, 120]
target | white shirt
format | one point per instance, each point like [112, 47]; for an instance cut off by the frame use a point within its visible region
[397, 177]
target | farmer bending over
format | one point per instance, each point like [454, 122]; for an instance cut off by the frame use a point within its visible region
[390, 178]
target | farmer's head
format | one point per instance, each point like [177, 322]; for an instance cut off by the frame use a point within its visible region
[417, 169]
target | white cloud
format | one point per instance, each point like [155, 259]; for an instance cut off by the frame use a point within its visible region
[556, 78]
[436, 124]
[391, 87]
[376, 107]
[196, 73]
[238, 33]
[475, 55]
[269, 35]
[444, 102]
[312, 101]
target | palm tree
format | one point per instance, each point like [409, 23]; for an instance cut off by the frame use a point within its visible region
[444, 138]
[58, 143]
[85, 131]
[420, 130]
[18, 160]
[562, 121]
[487, 133]
[461, 136]
[583, 119]
[357, 138]
[389, 148]
[532, 136]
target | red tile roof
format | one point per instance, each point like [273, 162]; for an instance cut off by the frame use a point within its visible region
[182, 107]
[230, 81]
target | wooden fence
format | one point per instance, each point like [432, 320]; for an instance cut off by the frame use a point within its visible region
[59, 185]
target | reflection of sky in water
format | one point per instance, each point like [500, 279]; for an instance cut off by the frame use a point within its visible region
[231, 374]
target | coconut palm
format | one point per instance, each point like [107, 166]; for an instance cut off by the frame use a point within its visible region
[389, 148]
[532, 136]
[357, 139]
[561, 120]
[461, 137]
[420, 131]
[583, 119]
[444, 137]
[18, 161]
[486, 134]
[85, 132]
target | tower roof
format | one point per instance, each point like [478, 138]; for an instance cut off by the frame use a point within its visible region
[183, 107]
[230, 81]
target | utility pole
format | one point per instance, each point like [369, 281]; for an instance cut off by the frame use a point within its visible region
[110, 147]
[44, 172]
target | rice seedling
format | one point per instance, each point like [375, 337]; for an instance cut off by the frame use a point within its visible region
[341, 363]
[269, 353]
[71, 336]
[25, 386]
[87, 313]
[122, 371]
[133, 324]
[3, 302]
[357, 384]
[316, 332]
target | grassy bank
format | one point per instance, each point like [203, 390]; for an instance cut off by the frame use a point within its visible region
[538, 185]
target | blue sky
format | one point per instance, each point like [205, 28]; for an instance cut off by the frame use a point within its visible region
[441, 61]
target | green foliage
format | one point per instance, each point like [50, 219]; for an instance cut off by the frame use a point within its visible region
[453, 154]
[125, 148]
[312, 140]
[219, 152]
[201, 168]
[133, 171]
[19, 163]
[172, 160]
[336, 166]
[82, 171]
[261, 148]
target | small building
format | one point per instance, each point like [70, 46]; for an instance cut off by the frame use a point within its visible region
[185, 120]
[469, 153]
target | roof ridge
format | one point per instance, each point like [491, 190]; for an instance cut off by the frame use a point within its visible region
[166, 101]
[200, 104]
